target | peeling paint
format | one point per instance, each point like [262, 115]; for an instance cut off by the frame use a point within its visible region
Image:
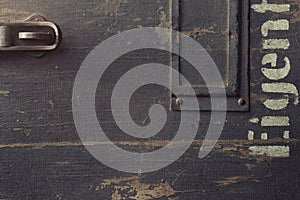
[133, 188]
[4, 92]
[149, 144]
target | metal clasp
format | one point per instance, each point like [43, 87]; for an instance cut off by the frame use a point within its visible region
[34, 34]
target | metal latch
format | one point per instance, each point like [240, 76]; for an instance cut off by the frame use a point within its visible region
[34, 34]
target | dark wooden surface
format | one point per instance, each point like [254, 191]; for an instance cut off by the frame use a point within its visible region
[41, 155]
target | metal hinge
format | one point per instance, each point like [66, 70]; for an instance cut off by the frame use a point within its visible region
[34, 34]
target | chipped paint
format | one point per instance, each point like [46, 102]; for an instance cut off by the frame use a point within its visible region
[165, 22]
[271, 151]
[258, 97]
[250, 166]
[149, 144]
[4, 92]
[198, 31]
[133, 188]
[296, 13]
[232, 180]
[17, 129]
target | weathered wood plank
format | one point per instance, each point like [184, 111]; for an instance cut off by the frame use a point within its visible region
[42, 156]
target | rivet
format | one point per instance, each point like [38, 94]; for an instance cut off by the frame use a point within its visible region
[242, 102]
[179, 101]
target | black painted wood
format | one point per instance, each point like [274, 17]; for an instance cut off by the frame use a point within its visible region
[42, 156]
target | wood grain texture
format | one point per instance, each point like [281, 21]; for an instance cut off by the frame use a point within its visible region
[42, 156]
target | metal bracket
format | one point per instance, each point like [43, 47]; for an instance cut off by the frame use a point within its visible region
[34, 34]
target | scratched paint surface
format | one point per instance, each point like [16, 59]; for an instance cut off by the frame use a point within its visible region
[42, 157]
